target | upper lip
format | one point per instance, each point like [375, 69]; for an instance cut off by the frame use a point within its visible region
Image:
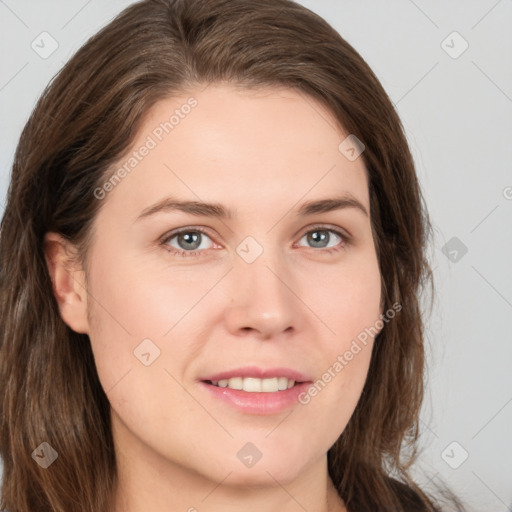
[259, 373]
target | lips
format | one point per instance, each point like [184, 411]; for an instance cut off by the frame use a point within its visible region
[258, 393]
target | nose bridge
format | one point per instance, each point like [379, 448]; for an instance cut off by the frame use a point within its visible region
[261, 298]
[265, 274]
[265, 278]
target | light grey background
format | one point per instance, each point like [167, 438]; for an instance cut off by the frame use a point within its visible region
[457, 111]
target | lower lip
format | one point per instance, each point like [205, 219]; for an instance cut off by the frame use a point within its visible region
[258, 403]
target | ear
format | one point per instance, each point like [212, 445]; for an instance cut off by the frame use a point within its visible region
[68, 281]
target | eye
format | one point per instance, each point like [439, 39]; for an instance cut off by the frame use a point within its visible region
[320, 236]
[188, 241]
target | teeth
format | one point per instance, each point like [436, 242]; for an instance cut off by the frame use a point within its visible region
[235, 383]
[282, 383]
[252, 385]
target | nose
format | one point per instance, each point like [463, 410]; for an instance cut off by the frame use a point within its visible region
[262, 302]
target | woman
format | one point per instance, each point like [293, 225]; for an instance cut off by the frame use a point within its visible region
[181, 187]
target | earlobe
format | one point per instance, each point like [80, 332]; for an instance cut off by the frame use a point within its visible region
[68, 281]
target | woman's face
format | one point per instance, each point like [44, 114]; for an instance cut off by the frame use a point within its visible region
[269, 290]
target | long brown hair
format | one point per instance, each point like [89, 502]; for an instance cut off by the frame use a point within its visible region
[83, 123]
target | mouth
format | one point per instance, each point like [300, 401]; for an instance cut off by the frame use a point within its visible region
[257, 391]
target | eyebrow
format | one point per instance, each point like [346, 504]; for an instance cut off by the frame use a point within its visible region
[217, 210]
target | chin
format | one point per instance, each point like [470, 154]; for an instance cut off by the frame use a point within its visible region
[262, 476]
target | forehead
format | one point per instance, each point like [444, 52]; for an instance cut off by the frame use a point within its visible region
[248, 145]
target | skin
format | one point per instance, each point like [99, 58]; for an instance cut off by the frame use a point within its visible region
[262, 153]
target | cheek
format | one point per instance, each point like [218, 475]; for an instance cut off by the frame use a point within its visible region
[348, 300]
[330, 401]
[149, 301]
[135, 310]
[129, 305]
[349, 307]
[131, 312]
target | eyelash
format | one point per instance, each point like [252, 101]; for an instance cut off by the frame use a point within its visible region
[345, 240]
